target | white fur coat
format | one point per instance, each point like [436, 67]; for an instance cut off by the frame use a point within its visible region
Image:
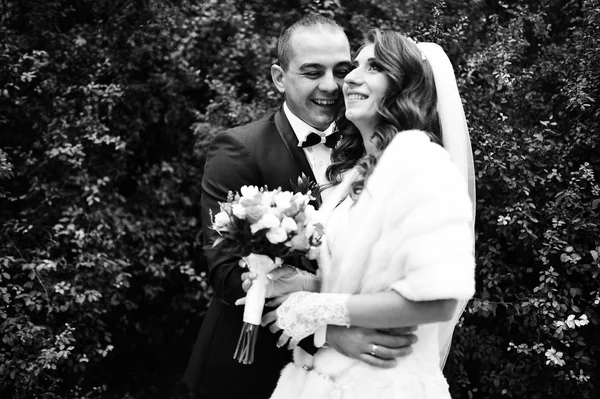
[411, 231]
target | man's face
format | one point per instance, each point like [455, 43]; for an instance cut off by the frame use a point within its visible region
[313, 80]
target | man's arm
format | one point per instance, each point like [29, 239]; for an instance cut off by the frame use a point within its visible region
[229, 166]
[357, 343]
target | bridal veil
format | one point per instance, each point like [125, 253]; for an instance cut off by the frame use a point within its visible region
[456, 141]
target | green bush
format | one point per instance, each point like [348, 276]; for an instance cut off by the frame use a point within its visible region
[100, 249]
[107, 108]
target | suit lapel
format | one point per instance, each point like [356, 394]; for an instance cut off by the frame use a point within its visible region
[291, 143]
[297, 153]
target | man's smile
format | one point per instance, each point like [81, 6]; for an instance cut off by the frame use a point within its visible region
[324, 103]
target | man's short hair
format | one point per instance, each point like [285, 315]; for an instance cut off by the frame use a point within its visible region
[310, 21]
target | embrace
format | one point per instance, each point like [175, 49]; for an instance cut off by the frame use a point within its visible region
[383, 134]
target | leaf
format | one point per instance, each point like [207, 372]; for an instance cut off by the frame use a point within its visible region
[218, 241]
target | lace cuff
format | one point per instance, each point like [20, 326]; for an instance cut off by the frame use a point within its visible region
[304, 312]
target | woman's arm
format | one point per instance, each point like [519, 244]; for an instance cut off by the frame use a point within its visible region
[389, 309]
[302, 313]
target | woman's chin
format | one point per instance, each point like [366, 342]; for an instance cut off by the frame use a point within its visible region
[352, 116]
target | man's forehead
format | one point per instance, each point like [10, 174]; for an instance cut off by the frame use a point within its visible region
[303, 34]
[319, 46]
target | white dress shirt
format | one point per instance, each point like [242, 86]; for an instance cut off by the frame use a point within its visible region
[318, 155]
[319, 158]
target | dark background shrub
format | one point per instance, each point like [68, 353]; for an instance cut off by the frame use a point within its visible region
[107, 108]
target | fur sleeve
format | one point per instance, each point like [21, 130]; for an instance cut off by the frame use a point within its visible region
[429, 221]
[411, 229]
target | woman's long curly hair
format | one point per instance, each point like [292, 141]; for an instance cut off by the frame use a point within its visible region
[410, 103]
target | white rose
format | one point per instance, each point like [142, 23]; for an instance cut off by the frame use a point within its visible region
[239, 211]
[312, 253]
[309, 230]
[277, 235]
[221, 220]
[267, 198]
[249, 191]
[289, 224]
[301, 199]
[312, 216]
[282, 199]
[268, 221]
[310, 211]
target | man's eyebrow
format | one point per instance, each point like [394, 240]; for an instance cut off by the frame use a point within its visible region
[344, 64]
[310, 66]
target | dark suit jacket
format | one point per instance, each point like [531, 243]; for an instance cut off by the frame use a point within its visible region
[261, 153]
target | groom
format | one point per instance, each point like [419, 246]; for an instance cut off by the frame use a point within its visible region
[314, 57]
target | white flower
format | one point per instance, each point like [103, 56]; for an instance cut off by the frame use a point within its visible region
[312, 217]
[46, 265]
[288, 224]
[267, 198]
[221, 220]
[313, 252]
[27, 76]
[282, 199]
[277, 235]
[268, 221]
[62, 287]
[554, 357]
[311, 212]
[239, 210]
[249, 191]
[301, 199]
[503, 220]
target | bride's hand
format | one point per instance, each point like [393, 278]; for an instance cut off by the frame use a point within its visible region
[269, 319]
[302, 313]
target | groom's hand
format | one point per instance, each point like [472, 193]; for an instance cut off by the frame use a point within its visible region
[378, 348]
[283, 280]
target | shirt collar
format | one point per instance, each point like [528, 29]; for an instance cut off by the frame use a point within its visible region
[302, 129]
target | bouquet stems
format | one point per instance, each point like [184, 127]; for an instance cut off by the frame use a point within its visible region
[255, 302]
[244, 352]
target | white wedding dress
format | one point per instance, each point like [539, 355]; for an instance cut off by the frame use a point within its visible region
[410, 231]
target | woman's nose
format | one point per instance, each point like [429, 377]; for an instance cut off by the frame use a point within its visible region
[353, 77]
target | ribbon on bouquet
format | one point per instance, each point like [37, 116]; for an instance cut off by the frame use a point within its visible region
[255, 302]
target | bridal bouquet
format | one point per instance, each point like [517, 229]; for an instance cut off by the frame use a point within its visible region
[264, 228]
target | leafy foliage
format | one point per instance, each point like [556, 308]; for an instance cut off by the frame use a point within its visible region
[107, 108]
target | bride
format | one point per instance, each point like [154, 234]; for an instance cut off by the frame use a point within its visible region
[399, 224]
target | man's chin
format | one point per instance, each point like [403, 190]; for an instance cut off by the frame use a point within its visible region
[322, 123]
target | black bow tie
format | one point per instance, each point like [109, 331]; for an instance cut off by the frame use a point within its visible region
[314, 139]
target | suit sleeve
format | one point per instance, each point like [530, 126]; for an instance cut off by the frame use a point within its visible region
[229, 166]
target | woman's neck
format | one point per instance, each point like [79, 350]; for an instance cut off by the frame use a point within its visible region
[367, 135]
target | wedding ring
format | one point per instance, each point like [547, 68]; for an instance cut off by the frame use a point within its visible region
[374, 349]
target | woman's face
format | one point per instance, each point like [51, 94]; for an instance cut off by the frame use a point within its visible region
[364, 88]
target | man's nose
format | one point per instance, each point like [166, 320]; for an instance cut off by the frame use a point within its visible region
[329, 83]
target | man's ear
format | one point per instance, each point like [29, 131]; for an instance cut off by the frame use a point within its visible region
[278, 76]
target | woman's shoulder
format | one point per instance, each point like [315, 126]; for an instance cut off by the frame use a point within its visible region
[411, 155]
[414, 146]
[408, 140]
